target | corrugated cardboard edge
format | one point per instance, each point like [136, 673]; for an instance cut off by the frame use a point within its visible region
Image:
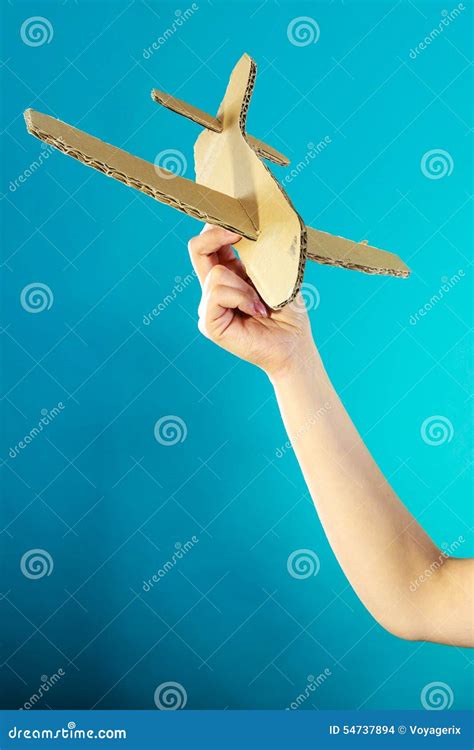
[267, 152]
[303, 232]
[213, 123]
[332, 250]
[186, 110]
[220, 217]
[314, 245]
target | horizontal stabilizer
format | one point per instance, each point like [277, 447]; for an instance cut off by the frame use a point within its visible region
[358, 256]
[185, 195]
[267, 152]
[187, 110]
[212, 123]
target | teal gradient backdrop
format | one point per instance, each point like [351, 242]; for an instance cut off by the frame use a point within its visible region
[107, 501]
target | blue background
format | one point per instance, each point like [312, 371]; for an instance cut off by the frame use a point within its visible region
[95, 489]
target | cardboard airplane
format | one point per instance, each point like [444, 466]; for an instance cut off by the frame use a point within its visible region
[233, 189]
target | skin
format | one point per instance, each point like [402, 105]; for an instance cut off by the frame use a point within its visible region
[383, 550]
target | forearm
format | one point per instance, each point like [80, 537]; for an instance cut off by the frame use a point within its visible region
[378, 543]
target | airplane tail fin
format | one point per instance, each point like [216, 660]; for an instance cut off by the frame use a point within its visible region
[238, 88]
[238, 93]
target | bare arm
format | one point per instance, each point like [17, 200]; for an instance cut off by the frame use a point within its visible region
[400, 575]
[379, 544]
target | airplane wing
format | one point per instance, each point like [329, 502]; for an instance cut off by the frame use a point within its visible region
[185, 195]
[212, 123]
[358, 256]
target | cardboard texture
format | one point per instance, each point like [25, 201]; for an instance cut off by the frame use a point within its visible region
[357, 256]
[234, 189]
[213, 123]
[166, 187]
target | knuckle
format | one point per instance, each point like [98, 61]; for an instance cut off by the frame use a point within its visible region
[193, 244]
[217, 290]
[217, 274]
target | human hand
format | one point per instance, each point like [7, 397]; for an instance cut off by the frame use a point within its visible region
[232, 314]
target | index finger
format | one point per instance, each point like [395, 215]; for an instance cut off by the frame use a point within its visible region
[204, 248]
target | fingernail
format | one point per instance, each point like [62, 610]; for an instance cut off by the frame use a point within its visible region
[260, 309]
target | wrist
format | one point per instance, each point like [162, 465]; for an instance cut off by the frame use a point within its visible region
[307, 400]
[303, 365]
